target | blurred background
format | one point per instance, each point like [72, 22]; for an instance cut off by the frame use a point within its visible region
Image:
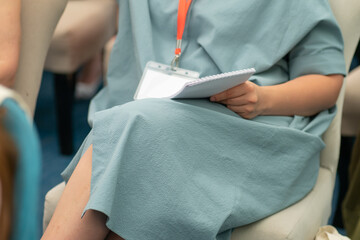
[45, 119]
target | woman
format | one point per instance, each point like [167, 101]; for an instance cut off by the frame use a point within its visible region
[196, 169]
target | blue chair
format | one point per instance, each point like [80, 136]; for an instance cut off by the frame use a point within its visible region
[19, 126]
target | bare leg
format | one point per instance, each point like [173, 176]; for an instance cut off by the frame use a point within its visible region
[66, 222]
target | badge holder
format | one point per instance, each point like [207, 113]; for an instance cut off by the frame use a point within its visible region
[161, 81]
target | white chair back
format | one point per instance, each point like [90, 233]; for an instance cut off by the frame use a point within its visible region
[347, 13]
[38, 21]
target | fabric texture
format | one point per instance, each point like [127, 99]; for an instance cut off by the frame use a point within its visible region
[192, 169]
[27, 179]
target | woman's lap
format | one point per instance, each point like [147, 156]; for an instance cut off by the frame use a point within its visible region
[175, 168]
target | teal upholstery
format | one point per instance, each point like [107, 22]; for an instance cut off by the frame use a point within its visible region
[27, 179]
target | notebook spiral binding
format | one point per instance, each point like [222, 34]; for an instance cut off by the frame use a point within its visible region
[221, 75]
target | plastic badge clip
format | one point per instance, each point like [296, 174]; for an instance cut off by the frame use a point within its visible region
[175, 62]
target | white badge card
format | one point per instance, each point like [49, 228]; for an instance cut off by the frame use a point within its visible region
[161, 81]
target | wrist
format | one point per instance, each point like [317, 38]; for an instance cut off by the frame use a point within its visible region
[266, 100]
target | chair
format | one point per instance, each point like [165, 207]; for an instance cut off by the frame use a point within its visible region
[38, 21]
[18, 125]
[350, 119]
[82, 32]
[302, 220]
[349, 170]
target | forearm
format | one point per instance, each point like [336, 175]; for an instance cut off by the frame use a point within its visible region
[305, 96]
[10, 33]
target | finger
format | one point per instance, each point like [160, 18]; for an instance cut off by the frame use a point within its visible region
[238, 101]
[245, 115]
[243, 109]
[234, 92]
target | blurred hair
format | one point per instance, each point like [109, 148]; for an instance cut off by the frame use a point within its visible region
[8, 159]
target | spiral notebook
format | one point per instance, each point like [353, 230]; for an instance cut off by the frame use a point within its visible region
[161, 83]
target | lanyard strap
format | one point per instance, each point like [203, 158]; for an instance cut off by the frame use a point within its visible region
[181, 21]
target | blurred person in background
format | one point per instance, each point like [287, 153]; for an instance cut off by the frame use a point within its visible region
[19, 145]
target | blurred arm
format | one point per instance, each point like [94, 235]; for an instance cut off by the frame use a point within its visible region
[10, 33]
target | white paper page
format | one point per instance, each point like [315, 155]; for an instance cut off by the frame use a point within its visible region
[208, 86]
[156, 84]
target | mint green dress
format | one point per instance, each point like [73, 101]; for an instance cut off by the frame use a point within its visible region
[192, 169]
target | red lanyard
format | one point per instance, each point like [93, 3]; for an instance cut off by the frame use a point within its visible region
[181, 21]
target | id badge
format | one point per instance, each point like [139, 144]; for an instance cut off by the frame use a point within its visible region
[161, 81]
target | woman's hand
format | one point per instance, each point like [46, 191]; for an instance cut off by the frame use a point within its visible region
[305, 96]
[244, 99]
